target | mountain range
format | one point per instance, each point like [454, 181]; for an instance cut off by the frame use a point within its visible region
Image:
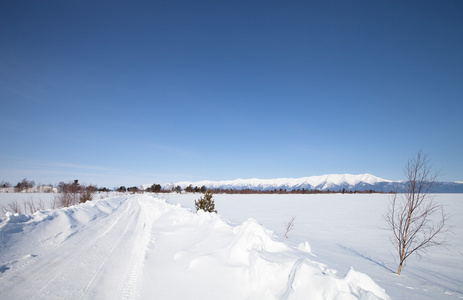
[333, 182]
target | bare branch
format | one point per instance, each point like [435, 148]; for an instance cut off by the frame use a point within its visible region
[289, 226]
[415, 220]
[14, 207]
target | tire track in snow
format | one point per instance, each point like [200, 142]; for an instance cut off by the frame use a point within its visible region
[72, 260]
[116, 244]
[150, 214]
[19, 264]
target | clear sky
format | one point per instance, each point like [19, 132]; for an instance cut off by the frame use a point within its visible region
[132, 92]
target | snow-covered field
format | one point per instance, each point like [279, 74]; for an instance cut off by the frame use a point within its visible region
[141, 247]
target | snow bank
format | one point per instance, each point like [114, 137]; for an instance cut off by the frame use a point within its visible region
[273, 270]
[26, 234]
[211, 258]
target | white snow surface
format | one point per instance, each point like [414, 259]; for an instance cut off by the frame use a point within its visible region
[319, 182]
[141, 247]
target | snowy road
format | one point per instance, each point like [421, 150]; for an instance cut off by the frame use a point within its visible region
[140, 247]
[100, 260]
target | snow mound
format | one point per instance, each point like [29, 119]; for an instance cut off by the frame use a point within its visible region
[273, 270]
[212, 259]
[50, 227]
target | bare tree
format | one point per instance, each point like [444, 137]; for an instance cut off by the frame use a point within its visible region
[289, 226]
[5, 184]
[417, 222]
[24, 185]
[68, 194]
[33, 206]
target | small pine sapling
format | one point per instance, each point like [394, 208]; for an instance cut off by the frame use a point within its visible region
[205, 203]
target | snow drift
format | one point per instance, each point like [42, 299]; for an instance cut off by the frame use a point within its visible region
[140, 247]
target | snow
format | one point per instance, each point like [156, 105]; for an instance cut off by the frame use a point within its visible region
[344, 231]
[144, 247]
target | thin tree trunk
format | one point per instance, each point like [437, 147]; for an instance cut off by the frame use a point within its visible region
[404, 242]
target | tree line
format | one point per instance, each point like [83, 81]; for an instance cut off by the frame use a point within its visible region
[291, 191]
[157, 188]
[26, 185]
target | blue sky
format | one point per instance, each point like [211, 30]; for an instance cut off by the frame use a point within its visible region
[131, 92]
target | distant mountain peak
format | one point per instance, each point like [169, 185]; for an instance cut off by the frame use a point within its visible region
[333, 182]
[323, 182]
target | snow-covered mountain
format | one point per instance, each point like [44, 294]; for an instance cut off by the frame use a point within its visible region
[324, 182]
[334, 182]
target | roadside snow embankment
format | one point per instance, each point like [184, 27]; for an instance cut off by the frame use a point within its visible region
[203, 256]
[140, 247]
